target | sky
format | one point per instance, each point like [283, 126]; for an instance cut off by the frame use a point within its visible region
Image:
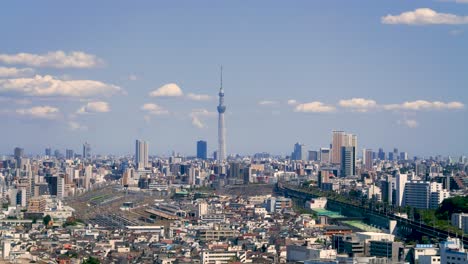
[393, 72]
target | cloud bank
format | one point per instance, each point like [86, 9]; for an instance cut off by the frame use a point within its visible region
[424, 16]
[54, 59]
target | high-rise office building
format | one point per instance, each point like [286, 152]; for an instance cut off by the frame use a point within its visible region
[367, 159]
[299, 152]
[381, 154]
[87, 177]
[337, 143]
[202, 150]
[141, 154]
[395, 154]
[69, 154]
[340, 139]
[403, 156]
[221, 155]
[424, 195]
[348, 161]
[18, 155]
[325, 155]
[86, 150]
[313, 155]
[48, 152]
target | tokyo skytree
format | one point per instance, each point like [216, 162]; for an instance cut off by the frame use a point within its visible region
[221, 127]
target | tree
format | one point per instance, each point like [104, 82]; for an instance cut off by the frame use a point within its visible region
[458, 204]
[91, 260]
[46, 220]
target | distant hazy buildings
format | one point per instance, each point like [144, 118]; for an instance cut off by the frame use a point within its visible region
[141, 154]
[69, 154]
[202, 149]
[299, 152]
[18, 155]
[86, 150]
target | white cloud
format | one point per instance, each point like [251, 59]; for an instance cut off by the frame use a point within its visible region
[169, 90]
[75, 126]
[292, 102]
[48, 86]
[424, 16]
[411, 123]
[358, 104]
[314, 107]
[420, 105]
[196, 115]
[94, 107]
[53, 59]
[267, 102]
[197, 122]
[15, 72]
[42, 112]
[199, 97]
[154, 109]
[132, 77]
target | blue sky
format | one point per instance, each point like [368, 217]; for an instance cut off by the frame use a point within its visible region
[91, 66]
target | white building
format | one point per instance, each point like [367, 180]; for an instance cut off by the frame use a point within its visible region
[317, 203]
[424, 195]
[222, 257]
[302, 253]
[426, 250]
[401, 180]
[141, 154]
[452, 251]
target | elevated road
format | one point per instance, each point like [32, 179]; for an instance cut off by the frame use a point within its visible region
[407, 224]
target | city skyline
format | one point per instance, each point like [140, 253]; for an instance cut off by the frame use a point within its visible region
[390, 80]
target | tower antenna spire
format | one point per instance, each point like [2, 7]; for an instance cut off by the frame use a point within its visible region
[221, 76]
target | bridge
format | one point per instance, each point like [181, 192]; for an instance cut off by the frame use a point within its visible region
[379, 218]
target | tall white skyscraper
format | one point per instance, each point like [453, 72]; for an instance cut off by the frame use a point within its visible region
[401, 180]
[87, 177]
[141, 154]
[221, 128]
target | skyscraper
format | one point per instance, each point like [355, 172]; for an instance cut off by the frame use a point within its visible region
[325, 155]
[86, 150]
[337, 143]
[18, 154]
[201, 149]
[339, 140]
[299, 152]
[141, 154]
[381, 154]
[367, 159]
[48, 152]
[69, 154]
[221, 128]
[348, 161]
